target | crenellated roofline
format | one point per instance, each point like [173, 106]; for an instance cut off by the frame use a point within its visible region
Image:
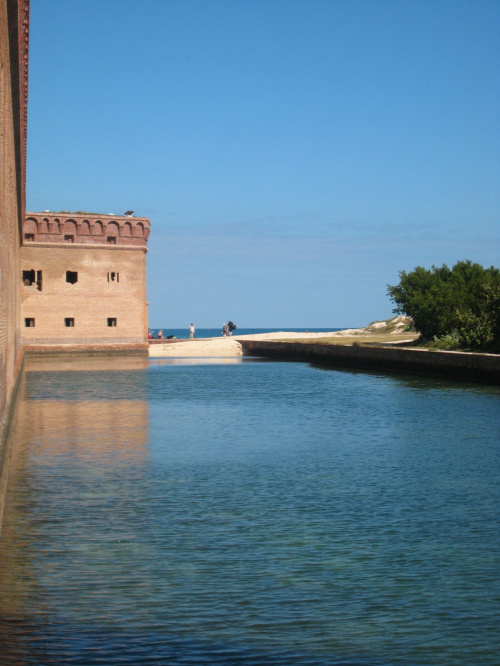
[86, 229]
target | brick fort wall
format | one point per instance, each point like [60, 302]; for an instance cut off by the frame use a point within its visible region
[83, 281]
[14, 27]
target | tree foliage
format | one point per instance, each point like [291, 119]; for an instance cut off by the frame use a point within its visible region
[441, 301]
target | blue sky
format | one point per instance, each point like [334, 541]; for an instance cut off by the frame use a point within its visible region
[293, 156]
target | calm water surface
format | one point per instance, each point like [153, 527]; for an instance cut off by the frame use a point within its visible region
[257, 513]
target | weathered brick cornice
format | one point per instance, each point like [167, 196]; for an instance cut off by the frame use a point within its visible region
[86, 229]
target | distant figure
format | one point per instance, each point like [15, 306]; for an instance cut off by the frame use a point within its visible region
[230, 327]
[160, 335]
[224, 330]
[191, 332]
[150, 335]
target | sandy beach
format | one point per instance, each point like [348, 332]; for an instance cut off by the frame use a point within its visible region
[228, 347]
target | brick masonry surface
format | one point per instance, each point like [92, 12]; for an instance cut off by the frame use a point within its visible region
[77, 294]
[87, 350]
[14, 26]
[86, 228]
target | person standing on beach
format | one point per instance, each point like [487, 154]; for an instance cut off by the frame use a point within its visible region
[224, 330]
[191, 332]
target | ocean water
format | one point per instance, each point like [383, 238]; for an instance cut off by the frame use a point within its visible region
[182, 333]
[258, 513]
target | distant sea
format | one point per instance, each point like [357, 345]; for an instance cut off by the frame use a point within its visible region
[217, 332]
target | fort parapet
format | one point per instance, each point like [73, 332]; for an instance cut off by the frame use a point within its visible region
[85, 229]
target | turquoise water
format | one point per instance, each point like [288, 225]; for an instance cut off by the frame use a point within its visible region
[217, 332]
[257, 513]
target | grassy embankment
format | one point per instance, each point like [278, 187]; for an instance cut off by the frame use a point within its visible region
[389, 332]
[397, 331]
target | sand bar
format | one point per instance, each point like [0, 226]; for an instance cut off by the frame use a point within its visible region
[227, 347]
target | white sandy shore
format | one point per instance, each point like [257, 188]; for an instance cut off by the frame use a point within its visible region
[227, 347]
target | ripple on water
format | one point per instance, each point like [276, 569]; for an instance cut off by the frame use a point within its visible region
[265, 513]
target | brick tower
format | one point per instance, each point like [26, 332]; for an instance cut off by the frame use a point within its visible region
[83, 282]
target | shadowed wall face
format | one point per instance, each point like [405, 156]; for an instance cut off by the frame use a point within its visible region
[14, 25]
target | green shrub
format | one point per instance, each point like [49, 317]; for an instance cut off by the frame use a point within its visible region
[463, 301]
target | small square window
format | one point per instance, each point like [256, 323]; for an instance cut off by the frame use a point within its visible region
[28, 278]
[69, 239]
[111, 321]
[69, 322]
[29, 237]
[111, 240]
[71, 277]
[29, 322]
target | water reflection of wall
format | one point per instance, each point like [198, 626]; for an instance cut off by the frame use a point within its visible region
[113, 431]
[76, 363]
[63, 452]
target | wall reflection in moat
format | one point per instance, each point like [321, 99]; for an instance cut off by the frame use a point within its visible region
[71, 452]
[256, 513]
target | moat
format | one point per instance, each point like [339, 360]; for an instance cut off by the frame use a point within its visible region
[250, 513]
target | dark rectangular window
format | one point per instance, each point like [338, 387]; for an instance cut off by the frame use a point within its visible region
[39, 280]
[29, 237]
[69, 322]
[29, 322]
[111, 321]
[28, 278]
[113, 276]
[111, 240]
[69, 239]
[71, 277]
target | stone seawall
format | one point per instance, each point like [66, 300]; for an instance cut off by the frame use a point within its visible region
[458, 365]
[88, 350]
